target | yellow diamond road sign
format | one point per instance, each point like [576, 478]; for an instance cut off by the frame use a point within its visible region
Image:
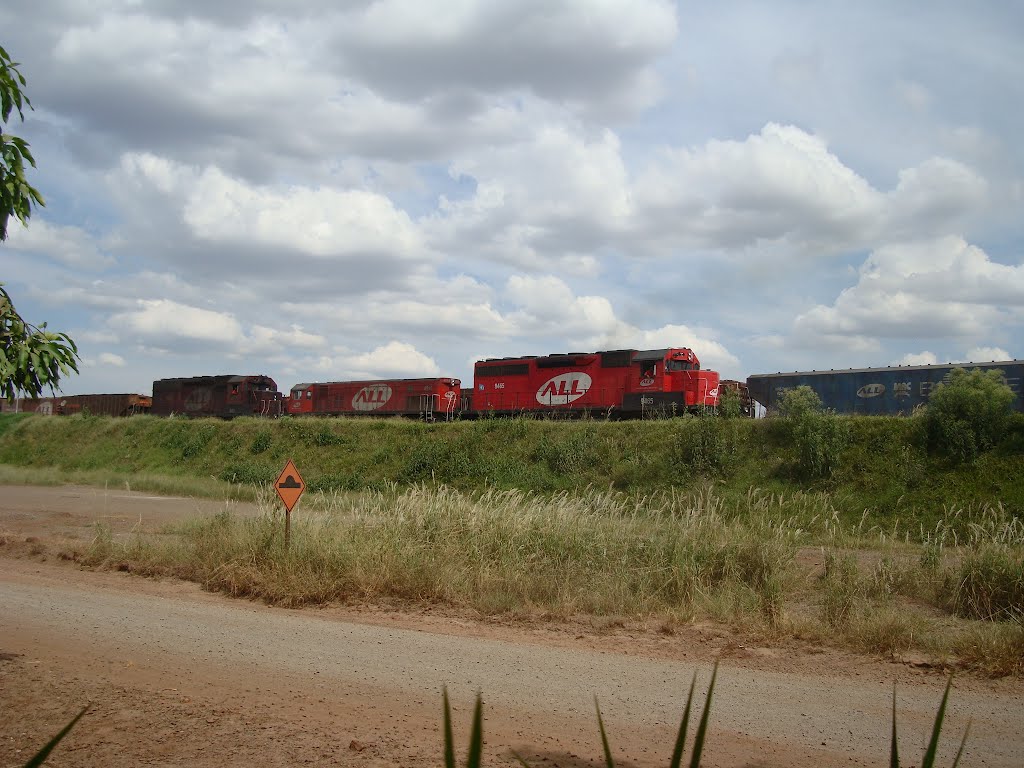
[289, 485]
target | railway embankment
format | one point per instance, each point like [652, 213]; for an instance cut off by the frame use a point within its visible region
[829, 530]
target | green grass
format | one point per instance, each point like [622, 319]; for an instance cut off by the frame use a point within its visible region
[668, 520]
[881, 473]
[663, 559]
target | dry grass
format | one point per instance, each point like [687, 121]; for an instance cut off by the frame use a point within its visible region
[669, 557]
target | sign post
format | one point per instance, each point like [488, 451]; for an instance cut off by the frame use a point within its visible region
[289, 486]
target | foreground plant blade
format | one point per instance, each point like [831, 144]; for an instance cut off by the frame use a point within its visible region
[476, 738]
[702, 729]
[42, 754]
[608, 760]
[933, 743]
[449, 745]
[894, 752]
[677, 753]
[928, 761]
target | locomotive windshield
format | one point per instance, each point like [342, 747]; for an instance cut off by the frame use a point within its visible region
[682, 365]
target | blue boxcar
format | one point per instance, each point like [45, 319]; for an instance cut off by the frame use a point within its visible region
[886, 391]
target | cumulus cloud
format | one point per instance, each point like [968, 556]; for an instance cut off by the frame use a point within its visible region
[396, 359]
[408, 48]
[164, 324]
[986, 354]
[935, 288]
[68, 245]
[544, 305]
[918, 358]
[109, 358]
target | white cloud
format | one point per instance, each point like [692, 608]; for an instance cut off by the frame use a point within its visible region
[919, 358]
[986, 354]
[929, 289]
[68, 245]
[323, 222]
[409, 48]
[396, 359]
[109, 358]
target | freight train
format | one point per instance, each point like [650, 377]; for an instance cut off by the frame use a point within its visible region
[624, 383]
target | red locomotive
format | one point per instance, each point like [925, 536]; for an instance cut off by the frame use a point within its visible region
[220, 396]
[428, 399]
[622, 382]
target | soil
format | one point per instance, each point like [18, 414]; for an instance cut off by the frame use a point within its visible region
[173, 675]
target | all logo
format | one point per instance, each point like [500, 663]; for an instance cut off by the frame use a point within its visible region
[871, 390]
[371, 397]
[564, 389]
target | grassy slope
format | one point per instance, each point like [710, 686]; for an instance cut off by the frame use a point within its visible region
[884, 473]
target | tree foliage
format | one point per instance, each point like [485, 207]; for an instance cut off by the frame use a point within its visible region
[17, 196]
[968, 414]
[31, 358]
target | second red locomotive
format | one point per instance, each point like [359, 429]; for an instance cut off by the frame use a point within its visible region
[427, 399]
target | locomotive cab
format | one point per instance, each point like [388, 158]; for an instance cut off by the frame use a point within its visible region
[300, 399]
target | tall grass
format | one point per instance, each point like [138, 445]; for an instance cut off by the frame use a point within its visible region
[668, 557]
[496, 551]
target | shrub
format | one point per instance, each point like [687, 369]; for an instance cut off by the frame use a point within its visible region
[968, 414]
[819, 436]
[729, 405]
[989, 584]
[798, 402]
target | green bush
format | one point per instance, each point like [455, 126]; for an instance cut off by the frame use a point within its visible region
[729, 406]
[968, 414]
[989, 584]
[818, 436]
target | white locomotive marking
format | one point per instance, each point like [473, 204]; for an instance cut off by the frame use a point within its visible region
[871, 390]
[371, 397]
[564, 389]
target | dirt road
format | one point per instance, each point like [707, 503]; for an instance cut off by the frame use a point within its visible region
[179, 676]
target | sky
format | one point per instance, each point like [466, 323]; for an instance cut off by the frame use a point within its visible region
[357, 189]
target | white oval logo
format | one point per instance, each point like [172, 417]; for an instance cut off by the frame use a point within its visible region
[371, 397]
[871, 390]
[449, 395]
[564, 389]
[713, 392]
[646, 382]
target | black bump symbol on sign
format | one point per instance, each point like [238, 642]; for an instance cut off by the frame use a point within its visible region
[290, 482]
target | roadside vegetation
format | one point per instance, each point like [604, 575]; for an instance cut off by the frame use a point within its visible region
[865, 533]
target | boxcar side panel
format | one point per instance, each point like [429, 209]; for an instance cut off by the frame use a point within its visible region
[880, 391]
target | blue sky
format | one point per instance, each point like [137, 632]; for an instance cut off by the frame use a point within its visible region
[362, 189]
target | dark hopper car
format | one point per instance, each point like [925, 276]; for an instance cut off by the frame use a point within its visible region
[881, 391]
[67, 405]
[221, 396]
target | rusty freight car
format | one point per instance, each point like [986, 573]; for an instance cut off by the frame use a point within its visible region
[220, 396]
[67, 405]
